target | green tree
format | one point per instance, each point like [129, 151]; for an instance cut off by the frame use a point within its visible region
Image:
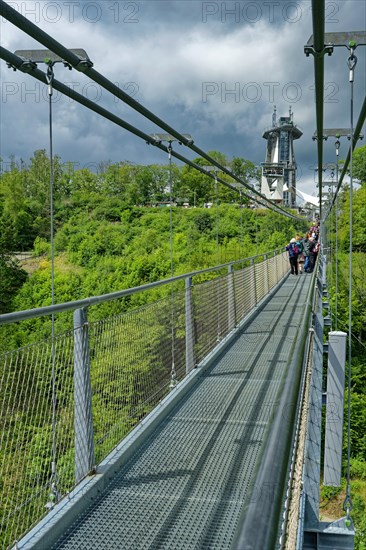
[359, 164]
[12, 276]
[358, 219]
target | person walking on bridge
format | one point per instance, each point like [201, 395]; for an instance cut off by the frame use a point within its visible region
[293, 252]
[300, 258]
[309, 245]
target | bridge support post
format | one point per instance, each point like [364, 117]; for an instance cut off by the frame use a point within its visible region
[231, 298]
[334, 414]
[83, 423]
[189, 327]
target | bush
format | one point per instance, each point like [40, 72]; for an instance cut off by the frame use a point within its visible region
[358, 468]
[41, 246]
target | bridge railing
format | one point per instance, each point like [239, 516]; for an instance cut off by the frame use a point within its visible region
[67, 400]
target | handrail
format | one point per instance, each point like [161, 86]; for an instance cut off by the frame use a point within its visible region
[15, 316]
[261, 517]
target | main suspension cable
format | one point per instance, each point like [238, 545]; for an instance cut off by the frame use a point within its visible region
[18, 63]
[85, 66]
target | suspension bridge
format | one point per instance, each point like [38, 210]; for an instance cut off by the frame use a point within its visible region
[215, 440]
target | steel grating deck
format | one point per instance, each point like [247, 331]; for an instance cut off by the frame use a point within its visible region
[186, 485]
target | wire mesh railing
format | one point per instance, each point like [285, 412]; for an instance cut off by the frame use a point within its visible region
[108, 375]
[26, 432]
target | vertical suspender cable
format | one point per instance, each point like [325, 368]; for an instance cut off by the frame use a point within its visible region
[337, 146]
[241, 225]
[173, 374]
[54, 490]
[330, 226]
[217, 255]
[352, 60]
[217, 217]
[257, 228]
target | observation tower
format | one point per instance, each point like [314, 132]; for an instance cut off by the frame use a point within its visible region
[278, 181]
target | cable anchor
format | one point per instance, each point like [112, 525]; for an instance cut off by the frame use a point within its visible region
[54, 495]
[347, 506]
[173, 377]
[170, 149]
[352, 62]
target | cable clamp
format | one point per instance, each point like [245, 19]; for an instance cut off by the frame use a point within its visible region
[347, 505]
[54, 495]
[27, 66]
[155, 141]
[50, 77]
[328, 49]
[84, 65]
[173, 377]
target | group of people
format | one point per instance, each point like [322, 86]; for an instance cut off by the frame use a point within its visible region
[303, 251]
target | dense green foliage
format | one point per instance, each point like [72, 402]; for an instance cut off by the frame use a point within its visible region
[112, 231]
[12, 276]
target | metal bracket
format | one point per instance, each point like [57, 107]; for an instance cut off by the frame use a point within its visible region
[158, 138]
[328, 49]
[350, 40]
[26, 67]
[32, 57]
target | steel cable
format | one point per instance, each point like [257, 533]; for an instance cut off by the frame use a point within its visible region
[53, 481]
[18, 63]
[355, 137]
[347, 505]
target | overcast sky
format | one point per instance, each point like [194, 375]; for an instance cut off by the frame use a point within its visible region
[213, 69]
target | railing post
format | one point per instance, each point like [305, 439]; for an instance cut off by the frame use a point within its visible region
[83, 423]
[252, 264]
[231, 298]
[282, 265]
[189, 327]
[276, 265]
[334, 410]
[267, 272]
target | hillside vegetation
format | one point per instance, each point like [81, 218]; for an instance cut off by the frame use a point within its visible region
[112, 230]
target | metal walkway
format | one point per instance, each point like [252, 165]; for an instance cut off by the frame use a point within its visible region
[186, 486]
